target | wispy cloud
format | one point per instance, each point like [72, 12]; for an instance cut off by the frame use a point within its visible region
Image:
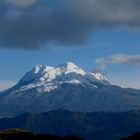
[132, 60]
[62, 22]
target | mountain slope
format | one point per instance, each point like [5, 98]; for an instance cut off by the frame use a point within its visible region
[65, 86]
[46, 79]
[94, 125]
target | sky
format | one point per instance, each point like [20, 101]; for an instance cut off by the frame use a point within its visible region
[94, 34]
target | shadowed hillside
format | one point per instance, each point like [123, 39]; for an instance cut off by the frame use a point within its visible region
[94, 125]
[18, 134]
[136, 136]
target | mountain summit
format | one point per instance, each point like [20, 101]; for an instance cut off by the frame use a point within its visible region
[47, 78]
[66, 86]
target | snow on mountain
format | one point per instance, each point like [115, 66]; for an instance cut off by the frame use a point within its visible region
[69, 67]
[45, 73]
[66, 86]
[47, 78]
[99, 76]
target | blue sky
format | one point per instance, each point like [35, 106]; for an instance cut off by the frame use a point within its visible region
[15, 63]
[51, 32]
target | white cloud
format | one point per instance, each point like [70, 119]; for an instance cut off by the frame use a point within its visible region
[124, 59]
[6, 84]
[132, 60]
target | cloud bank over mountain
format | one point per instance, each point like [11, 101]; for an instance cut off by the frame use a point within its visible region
[32, 24]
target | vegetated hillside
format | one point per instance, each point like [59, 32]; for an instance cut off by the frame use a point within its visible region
[95, 125]
[17, 134]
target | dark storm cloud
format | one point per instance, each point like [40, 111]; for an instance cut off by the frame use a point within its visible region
[33, 24]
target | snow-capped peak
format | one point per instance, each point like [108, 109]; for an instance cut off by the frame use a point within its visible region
[99, 76]
[70, 67]
[40, 69]
[45, 73]
[49, 78]
[35, 74]
[37, 68]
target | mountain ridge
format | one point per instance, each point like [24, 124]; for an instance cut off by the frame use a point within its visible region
[65, 86]
[52, 77]
[93, 125]
[49, 74]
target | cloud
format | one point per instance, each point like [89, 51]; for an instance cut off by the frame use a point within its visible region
[132, 60]
[61, 22]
